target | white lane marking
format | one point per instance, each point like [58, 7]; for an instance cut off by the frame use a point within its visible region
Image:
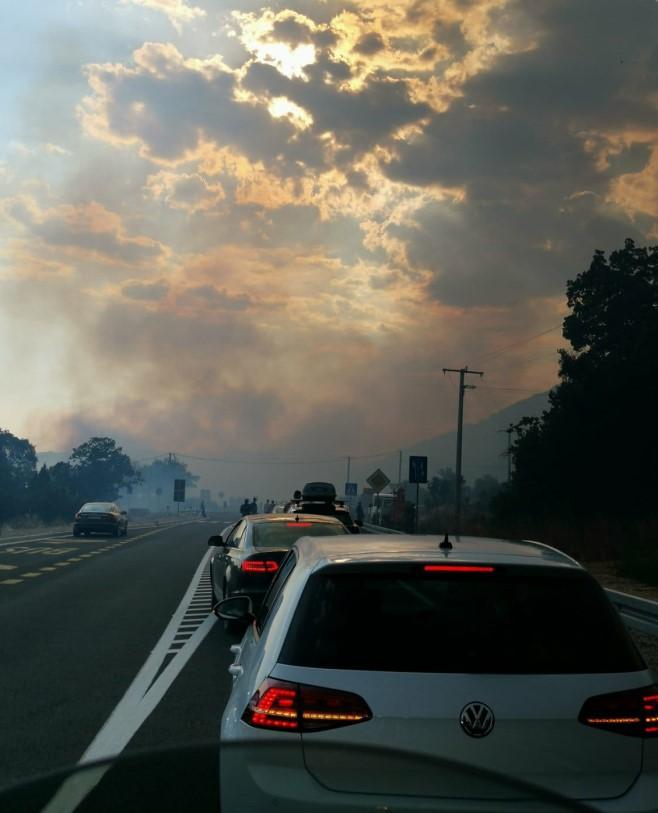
[140, 699]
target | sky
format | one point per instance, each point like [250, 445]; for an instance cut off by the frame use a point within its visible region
[256, 231]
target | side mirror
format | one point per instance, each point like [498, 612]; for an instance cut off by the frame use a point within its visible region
[215, 541]
[239, 609]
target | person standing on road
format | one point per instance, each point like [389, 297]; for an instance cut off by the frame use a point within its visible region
[253, 506]
[245, 508]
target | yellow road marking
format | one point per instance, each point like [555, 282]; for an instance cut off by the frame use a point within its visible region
[7, 567]
[11, 581]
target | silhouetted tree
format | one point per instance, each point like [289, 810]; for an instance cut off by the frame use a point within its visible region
[17, 466]
[100, 469]
[594, 452]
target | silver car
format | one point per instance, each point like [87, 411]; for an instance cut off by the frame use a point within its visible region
[406, 674]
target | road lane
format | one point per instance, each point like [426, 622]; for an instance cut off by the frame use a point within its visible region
[73, 638]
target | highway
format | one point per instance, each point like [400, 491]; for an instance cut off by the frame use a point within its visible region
[85, 621]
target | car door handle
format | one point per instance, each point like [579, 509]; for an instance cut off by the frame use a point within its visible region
[235, 669]
[235, 649]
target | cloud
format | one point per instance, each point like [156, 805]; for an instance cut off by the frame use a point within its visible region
[281, 223]
[87, 230]
[178, 12]
[145, 291]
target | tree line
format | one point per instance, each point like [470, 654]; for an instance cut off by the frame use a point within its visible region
[588, 466]
[96, 470]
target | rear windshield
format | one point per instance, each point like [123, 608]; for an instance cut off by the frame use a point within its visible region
[97, 506]
[528, 620]
[285, 534]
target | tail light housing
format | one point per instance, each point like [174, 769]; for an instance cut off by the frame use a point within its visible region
[256, 565]
[633, 713]
[282, 706]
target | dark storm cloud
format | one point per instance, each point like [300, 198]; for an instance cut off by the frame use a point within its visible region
[517, 143]
[369, 44]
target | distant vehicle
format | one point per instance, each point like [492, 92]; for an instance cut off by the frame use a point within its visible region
[504, 658]
[100, 518]
[248, 553]
[320, 498]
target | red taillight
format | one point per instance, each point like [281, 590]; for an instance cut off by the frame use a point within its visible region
[633, 713]
[296, 707]
[459, 569]
[259, 566]
[299, 524]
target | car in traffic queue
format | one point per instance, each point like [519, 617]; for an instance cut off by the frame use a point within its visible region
[101, 518]
[320, 498]
[409, 673]
[248, 553]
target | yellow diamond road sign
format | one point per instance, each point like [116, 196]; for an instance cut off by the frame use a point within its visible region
[378, 480]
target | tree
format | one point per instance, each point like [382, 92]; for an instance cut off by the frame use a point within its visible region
[18, 461]
[100, 469]
[161, 473]
[594, 452]
[441, 489]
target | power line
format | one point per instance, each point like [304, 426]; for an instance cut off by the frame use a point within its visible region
[520, 343]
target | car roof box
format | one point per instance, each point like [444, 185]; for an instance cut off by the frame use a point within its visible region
[319, 491]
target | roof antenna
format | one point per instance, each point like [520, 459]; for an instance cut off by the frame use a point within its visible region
[446, 544]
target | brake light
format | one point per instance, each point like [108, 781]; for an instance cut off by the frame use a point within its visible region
[633, 713]
[286, 706]
[259, 566]
[459, 569]
[299, 524]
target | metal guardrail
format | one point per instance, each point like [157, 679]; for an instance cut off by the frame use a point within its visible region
[639, 613]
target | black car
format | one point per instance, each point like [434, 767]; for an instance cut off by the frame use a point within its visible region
[102, 518]
[248, 554]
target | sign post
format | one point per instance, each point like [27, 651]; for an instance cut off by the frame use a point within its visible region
[179, 492]
[378, 481]
[417, 475]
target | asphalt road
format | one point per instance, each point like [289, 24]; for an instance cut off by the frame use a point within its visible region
[78, 620]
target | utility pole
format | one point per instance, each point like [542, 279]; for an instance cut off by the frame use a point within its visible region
[509, 431]
[400, 469]
[349, 467]
[463, 372]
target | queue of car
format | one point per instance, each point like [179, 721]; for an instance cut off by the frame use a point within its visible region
[407, 673]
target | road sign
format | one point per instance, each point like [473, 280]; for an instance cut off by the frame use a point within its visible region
[417, 469]
[179, 490]
[351, 489]
[378, 480]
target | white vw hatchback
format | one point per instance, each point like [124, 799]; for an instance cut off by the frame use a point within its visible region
[406, 673]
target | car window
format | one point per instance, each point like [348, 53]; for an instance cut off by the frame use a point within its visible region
[275, 589]
[285, 534]
[520, 620]
[236, 535]
[97, 506]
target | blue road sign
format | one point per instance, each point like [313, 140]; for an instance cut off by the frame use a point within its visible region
[351, 489]
[417, 469]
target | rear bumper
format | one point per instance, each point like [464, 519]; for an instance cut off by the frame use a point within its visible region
[261, 772]
[97, 527]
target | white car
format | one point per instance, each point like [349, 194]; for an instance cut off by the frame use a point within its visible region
[405, 673]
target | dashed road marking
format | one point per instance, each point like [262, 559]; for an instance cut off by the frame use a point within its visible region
[11, 581]
[31, 575]
[148, 688]
[48, 568]
[62, 564]
[7, 567]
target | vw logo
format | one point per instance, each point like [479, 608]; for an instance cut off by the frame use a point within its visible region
[477, 719]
